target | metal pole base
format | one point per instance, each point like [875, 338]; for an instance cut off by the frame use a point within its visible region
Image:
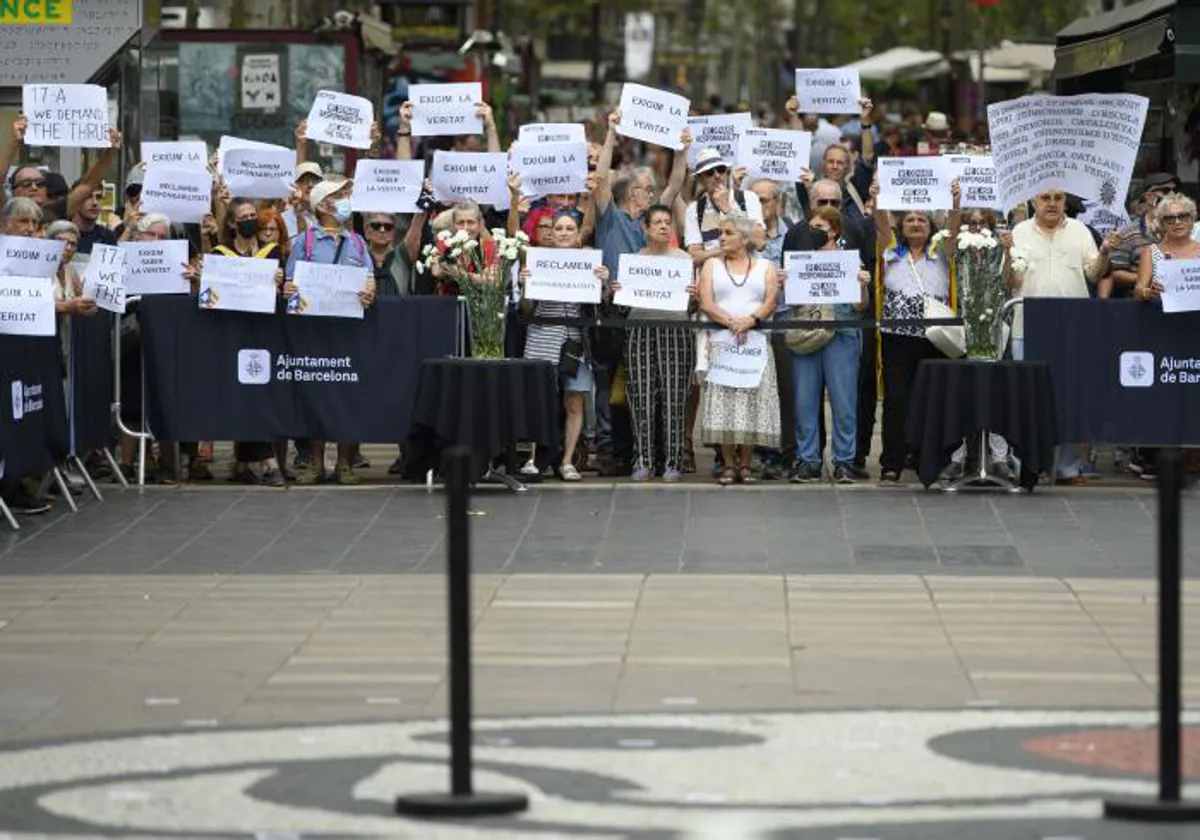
[435, 805]
[1152, 811]
[981, 478]
[507, 480]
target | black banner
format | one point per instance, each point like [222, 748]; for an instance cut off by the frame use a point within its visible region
[242, 376]
[90, 395]
[1123, 371]
[33, 419]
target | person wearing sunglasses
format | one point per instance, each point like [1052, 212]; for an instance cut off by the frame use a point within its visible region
[1173, 217]
[392, 275]
[718, 196]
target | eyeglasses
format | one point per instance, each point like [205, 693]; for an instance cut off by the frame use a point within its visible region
[718, 170]
[382, 226]
[829, 202]
[1176, 218]
[1052, 198]
[30, 184]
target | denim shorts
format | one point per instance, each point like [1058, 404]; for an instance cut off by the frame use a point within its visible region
[580, 381]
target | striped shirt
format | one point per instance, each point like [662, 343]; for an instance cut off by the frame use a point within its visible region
[544, 342]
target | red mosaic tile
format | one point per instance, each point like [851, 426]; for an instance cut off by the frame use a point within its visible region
[1133, 751]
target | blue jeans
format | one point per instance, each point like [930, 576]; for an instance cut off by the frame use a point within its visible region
[834, 367]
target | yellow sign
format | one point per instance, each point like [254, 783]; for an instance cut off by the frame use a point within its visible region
[35, 12]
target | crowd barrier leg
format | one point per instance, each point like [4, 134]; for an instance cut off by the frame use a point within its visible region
[63, 489]
[1169, 806]
[113, 465]
[8, 516]
[142, 436]
[462, 800]
[75, 461]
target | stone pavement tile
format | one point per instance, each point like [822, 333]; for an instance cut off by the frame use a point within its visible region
[282, 713]
[522, 587]
[684, 689]
[650, 643]
[897, 557]
[973, 552]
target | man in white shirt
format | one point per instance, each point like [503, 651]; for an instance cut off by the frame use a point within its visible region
[1062, 259]
[702, 221]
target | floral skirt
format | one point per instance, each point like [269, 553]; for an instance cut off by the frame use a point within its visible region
[741, 416]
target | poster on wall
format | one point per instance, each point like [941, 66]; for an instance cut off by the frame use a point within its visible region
[262, 82]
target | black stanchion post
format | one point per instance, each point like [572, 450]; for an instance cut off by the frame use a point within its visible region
[1169, 806]
[462, 800]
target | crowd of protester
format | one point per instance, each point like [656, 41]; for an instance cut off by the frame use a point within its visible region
[632, 398]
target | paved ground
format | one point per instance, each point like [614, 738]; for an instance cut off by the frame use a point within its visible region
[786, 663]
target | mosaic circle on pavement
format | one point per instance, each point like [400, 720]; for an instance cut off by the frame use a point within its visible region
[926, 774]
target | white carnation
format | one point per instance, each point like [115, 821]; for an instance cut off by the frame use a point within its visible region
[444, 235]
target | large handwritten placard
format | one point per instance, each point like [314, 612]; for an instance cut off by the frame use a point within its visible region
[821, 277]
[738, 365]
[66, 115]
[259, 173]
[976, 176]
[914, 183]
[552, 133]
[653, 115]
[104, 278]
[182, 154]
[551, 168]
[182, 195]
[1086, 145]
[23, 256]
[1180, 280]
[27, 306]
[239, 284]
[481, 177]
[155, 268]
[649, 282]
[447, 109]
[567, 275]
[773, 153]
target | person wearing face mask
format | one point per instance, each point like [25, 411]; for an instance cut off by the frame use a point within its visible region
[330, 242]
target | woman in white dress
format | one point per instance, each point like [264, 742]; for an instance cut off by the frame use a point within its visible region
[738, 291]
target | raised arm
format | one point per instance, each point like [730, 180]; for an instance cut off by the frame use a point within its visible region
[867, 155]
[1097, 267]
[12, 150]
[94, 177]
[883, 225]
[404, 133]
[588, 202]
[514, 203]
[301, 141]
[792, 106]
[678, 171]
[484, 110]
[954, 222]
[376, 137]
[604, 165]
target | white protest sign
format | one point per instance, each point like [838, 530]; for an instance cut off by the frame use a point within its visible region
[914, 183]
[828, 91]
[567, 275]
[341, 119]
[439, 110]
[228, 143]
[261, 87]
[259, 173]
[66, 115]
[821, 277]
[27, 306]
[774, 153]
[654, 282]
[155, 268]
[552, 133]
[329, 291]
[652, 115]
[387, 186]
[717, 131]
[239, 284]
[182, 195]
[1086, 145]
[481, 177]
[550, 168]
[21, 256]
[1102, 219]
[976, 176]
[1180, 280]
[738, 365]
[104, 278]
[186, 154]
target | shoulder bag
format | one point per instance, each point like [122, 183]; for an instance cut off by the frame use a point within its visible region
[950, 340]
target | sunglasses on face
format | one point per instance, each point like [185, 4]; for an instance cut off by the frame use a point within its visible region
[381, 226]
[30, 184]
[829, 202]
[1176, 218]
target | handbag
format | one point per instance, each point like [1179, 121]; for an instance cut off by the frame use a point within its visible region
[570, 357]
[950, 340]
[809, 339]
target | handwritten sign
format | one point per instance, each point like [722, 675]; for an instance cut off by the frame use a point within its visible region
[66, 115]
[440, 110]
[654, 282]
[914, 183]
[552, 133]
[27, 306]
[228, 143]
[387, 186]
[567, 275]
[185, 154]
[653, 115]
[551, 168]
[155, 268]
[182, 195]
[1086, 145]
[1180, 280]
[481, 177]
[239, 284]
[262, 89]
[259, 173]
[777, 154]
[22, 256]
[341, 119]
[828, 91]
[104, 278]
[717, 131]
[329, 291]
[821, 277]
[738, 365]
[976, 176]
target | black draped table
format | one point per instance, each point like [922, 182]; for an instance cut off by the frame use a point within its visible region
[956, 399]
[486, 405]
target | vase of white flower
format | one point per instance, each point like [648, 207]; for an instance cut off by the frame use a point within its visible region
[981, 290]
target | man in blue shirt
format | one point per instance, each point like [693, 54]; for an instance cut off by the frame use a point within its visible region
[331, 242]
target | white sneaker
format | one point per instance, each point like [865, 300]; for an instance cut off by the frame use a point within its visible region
[530, 469]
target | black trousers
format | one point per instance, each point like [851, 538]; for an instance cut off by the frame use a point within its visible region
[902, 354]
[787, 400]
[251, 452]
[868, 396]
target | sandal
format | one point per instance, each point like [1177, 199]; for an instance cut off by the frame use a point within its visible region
[689, 463]
[567, 472]
[726, 477]
[746, 476]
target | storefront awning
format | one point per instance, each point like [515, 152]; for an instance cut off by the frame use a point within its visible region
[1112, 39]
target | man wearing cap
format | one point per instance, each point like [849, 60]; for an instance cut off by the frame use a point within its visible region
[937, 134]
[1134, 237]
[718, 196]
[330, 241]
